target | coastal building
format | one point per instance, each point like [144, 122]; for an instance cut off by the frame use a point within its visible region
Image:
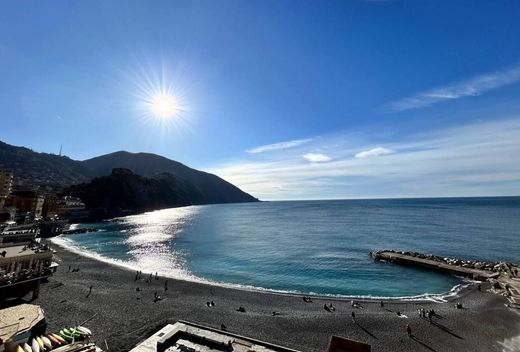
[22, 267]
[71, 208]
[28, 202]
[24, 233]
[6, 184]
[185, 336]
[50, 206]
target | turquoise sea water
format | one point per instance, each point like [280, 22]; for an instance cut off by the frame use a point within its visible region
[310, 246]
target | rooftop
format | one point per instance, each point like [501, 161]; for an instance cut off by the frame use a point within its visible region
[18, 319]
[13, 251]
[185, 336]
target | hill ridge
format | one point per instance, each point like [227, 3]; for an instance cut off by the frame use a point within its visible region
[51, 173]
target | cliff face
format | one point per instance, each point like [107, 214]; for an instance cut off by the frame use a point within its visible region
[124, 190]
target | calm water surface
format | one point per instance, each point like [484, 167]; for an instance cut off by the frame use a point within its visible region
[310, 246]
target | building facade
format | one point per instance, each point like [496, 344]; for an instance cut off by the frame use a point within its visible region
[28, 202]
[6, 184]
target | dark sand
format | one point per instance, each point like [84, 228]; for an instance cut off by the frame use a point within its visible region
[123, 320]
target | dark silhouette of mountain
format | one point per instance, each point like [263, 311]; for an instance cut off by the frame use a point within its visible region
[41, 171]
[125, 192]
[49, 172]
[211, 187]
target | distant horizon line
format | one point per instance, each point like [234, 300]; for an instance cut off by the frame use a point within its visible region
[386, 198]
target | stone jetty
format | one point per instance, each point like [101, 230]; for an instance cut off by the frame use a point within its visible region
[504, 277]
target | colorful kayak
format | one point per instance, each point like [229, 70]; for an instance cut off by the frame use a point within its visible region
[40, 343]
[46, 342]
[84, 330]
[60, 339]
[35, 346]
[53, 340]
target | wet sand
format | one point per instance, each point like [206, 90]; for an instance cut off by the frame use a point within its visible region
[123, 317]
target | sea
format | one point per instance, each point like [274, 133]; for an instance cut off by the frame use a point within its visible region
[310, 247]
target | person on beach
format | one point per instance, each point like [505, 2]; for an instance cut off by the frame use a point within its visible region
[355, 304]
[353, 315]
[382, 304]
[165, 285]
[479, 288]
[430, 316]
[408, 330]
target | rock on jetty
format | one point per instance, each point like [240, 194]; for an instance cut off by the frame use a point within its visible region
[504, 277]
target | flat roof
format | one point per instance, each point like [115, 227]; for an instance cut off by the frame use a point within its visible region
[183, 336]
[19, 251]
[17, 319]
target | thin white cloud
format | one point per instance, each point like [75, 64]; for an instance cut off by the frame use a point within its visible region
[316, 157]
[374, 152]
[471, 87]
[472, 160]
[278, 146]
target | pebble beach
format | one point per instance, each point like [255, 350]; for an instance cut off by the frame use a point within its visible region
[120, 316]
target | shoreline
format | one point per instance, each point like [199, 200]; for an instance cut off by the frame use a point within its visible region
[455, 291]
[123, 316]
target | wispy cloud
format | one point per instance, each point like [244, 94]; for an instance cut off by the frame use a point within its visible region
[279, 146]
[374, 152]
[471, 160]
[316, 157]
[471, 87]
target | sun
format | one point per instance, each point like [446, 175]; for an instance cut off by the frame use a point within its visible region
[163, 106]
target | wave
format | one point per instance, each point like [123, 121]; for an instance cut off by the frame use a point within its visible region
[181, 274]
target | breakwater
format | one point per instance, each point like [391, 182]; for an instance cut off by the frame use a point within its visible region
[503, 276]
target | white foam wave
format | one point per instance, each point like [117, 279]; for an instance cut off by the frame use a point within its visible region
[185, 275]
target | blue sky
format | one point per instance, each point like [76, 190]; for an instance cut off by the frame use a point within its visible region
[287, 99]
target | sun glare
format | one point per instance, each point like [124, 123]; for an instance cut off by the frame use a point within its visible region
[163, 106]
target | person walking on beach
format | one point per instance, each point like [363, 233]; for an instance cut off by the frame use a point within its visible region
[382, 304]
[353, 315]
[165, 285]
[408, 330]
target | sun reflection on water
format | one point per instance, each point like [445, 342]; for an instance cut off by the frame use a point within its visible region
[151, 238]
